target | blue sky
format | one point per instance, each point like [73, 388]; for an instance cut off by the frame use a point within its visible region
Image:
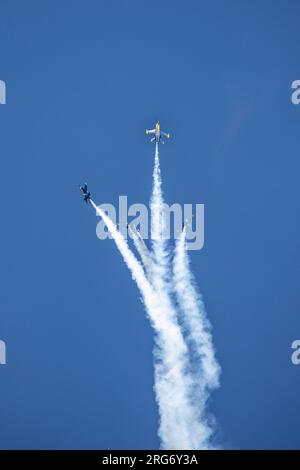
[84, 79]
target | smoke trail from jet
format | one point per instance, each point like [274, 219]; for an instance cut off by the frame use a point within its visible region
[133, 264]
[159, 244]
[195, 320]
[178, 430]
[160, 283]
[142, 250]
[190, 415]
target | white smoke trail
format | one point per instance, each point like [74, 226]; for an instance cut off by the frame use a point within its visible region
[142, 249]
[159, 244]
[190, 416]
[177, 428]
[133, 264]
[195, 318]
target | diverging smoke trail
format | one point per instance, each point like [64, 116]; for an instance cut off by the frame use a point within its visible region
[195, 321]
[133, 264]
[142, 249]
[176, 414]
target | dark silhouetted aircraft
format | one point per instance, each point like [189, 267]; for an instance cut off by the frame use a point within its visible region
[85, 192]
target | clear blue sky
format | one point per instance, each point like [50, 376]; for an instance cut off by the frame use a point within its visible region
[84, 79]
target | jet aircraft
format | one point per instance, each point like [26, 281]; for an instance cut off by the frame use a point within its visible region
[157, 133]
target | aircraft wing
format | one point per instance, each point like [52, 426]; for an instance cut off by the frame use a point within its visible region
[165, 134]
[150, 131]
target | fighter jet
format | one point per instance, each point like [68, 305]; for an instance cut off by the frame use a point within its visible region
[85, 192]
[158, 134]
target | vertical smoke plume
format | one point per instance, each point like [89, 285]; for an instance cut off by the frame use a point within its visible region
[159, 244]
[180, 418]
[191, 417]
